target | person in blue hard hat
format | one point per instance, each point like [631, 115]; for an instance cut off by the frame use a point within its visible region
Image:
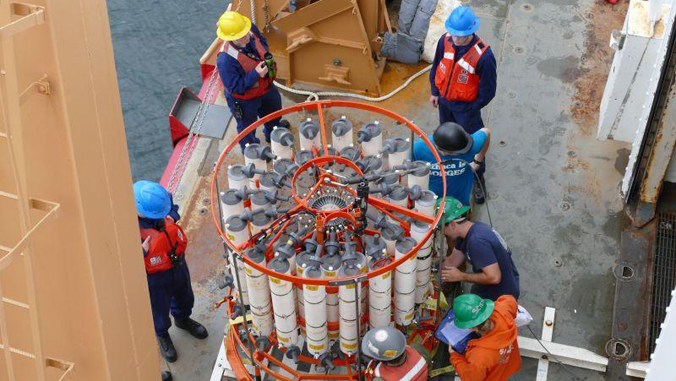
[247, 70]
[164, 244]
[463, 78]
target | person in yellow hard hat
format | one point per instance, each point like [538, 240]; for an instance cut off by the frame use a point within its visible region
[247, 70]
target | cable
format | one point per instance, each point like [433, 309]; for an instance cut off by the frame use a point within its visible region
[556, 359]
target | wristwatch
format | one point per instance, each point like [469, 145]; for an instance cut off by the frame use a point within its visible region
[477, 161]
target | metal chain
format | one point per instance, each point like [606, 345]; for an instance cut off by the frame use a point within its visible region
[199, 119]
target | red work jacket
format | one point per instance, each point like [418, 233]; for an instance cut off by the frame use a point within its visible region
[457, 80]
[166, 247]
[249, 64]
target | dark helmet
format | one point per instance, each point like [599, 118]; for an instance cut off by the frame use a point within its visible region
[451, 137]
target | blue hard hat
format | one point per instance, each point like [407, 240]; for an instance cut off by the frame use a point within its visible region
[462, 22]
[152, 200]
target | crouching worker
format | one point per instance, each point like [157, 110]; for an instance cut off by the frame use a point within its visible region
[493, 270]
[164, 245]
[396, 360]
[494, 356]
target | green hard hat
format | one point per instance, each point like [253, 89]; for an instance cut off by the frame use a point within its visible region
[453, 209]
[470, 310]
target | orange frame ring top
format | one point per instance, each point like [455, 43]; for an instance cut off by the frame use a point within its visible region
[319, 106]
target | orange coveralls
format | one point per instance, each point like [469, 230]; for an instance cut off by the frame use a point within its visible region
[495, 356]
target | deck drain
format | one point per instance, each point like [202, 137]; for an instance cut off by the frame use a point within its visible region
[527, 8]
[206, 202]
[558, 263]
[203, 211]
[502, 143]
[618, 349]
[512, 95]
[624, 271]
[565, 206]
[518, 50]
[572, 154]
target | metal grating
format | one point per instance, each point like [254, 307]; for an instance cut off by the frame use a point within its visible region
[664, 274]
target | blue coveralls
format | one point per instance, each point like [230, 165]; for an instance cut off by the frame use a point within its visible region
[170, 291]
[236, 81]
[467, 114]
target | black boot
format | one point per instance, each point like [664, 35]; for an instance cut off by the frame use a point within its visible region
[167, 347]
[284, 123]
[166, 375]
[194, 328]
[479, 190]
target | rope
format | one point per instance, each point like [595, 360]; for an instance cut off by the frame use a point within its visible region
[314, 96]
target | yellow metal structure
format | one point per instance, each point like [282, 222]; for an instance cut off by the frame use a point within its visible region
[325, 43]
[73, 296]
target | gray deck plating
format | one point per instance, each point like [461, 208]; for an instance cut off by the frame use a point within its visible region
[554, 189]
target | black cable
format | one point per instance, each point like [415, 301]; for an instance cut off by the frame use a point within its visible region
[556, 360]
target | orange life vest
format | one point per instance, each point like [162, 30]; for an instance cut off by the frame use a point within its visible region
[249, 64]
[166, 247]
[457, 80]
[413, 369]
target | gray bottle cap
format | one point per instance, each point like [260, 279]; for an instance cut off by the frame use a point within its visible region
[257, 256]
[346, 271]
[420, 225]
[279, 264]
[313, 273]
[236, 172]
[398, 193]
[261, 219]
[372, 130]
[258, 198]
[350, 153]
[392, 233]
[405, 245]
[235, 224]
[357, 259]
[341, 126]
[304, 156]
[267, 180]
[251, 151]
[303, 259]
[309, 129]
[421, 168]
[281, 166]
[230, 197]
[401, 145]
[427, 198]
[331, 262]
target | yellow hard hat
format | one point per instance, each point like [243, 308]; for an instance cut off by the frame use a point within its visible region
[233, 26]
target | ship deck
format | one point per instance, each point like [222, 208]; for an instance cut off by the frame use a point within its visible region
[554, 188]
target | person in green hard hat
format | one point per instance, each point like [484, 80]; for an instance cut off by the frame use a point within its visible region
[493, 271]
[494, 356]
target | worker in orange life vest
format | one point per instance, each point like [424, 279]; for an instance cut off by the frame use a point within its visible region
[164, 244]
[463, 78]
[247, 79]
[395, 360]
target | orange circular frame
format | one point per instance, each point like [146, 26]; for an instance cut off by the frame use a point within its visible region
[380, 204]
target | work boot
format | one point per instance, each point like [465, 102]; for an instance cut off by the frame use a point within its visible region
[167, 347]
[284, 123]
[479, 188]
[166, 375]
[194, 328]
